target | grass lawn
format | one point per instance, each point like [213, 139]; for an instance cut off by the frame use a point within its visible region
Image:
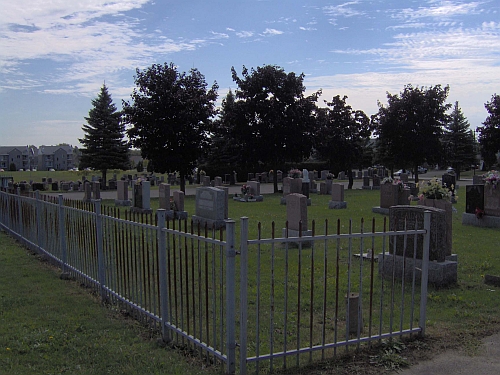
[50, 326]
[55, 325]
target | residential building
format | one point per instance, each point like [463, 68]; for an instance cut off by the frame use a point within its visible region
[22, 157]
[59, 158]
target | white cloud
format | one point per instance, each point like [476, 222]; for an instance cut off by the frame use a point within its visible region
[307, 28]
[345, 10]
[443, 9]
[269, 32]
[245, 34]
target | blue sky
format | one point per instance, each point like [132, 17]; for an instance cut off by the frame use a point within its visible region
[56, 54]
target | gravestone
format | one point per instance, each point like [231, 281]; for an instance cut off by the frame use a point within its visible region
[474, 198]
[87, 192]
[286, 186]
[122, 193]
[389, 194]
[142, 197]
[376, 182]
[477, 180]
[96, 190]
[64, 186]
[322, 188]
[360, 175]
[206, 181]
[324, 174]
[366, 182]
[296, 186]
[445, 206]
[210, 207]
[341, 175]
[305, 182]
[402, 261]
[279, 176]
[296, 214]
[449, 181]
[403, 177]
[164, 196]
[255, 190]
[218, 181]
[178, 211]
[55, 186]
[491, 200]
[337, 201]
[329, 184]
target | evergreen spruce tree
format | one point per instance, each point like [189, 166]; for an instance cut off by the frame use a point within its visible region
[103, 144]
[458, 141]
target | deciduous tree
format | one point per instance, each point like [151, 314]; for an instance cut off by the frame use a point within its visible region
[341, 135]
[170, 117]
[411, 125]
[104, 146]
[489, 134]
[274, 120]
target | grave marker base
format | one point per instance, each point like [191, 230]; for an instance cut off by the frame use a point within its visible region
[218, 224]
[487, 221]
[337, 205]
[123, 203]
[440, 273]
[295, 233]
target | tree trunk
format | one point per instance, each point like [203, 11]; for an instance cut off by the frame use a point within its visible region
[351, 179]
[183, 183]
[275, 180]
[104, 173]
[416, 174]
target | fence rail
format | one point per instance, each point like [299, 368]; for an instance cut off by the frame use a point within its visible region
[300, 299]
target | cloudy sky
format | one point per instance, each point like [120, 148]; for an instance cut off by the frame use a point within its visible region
[56, 54]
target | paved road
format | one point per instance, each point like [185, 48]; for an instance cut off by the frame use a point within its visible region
[486, 362]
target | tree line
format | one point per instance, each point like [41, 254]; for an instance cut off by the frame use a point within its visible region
[269, 122]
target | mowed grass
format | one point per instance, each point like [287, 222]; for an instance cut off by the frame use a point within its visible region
[50, 326]
[456, 315]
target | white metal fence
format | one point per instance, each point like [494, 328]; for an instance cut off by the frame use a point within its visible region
[295, 300]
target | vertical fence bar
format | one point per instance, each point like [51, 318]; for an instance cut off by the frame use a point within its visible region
[230, 297]
[38, 221]
[19, 215]
[62, 235]
[162, 262]
[243, 293]
[101, 272]
[425, 271]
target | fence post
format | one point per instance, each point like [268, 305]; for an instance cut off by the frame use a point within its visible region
[20, 215]
[243, 294]
[101, 272]
[230, 296]
[162, 260]
[425, 271]
[38, 221]
[62, 237]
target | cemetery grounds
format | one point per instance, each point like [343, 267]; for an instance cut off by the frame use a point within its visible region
[456, 317]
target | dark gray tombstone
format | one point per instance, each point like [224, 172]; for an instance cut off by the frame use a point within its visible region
[474, 198]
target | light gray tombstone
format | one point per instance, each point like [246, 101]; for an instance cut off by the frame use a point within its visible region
[341, 175]
[305, 175]
[179, 212]
[122, 193]
[164, 195]
[210, 207]
[206, 181]
[337, 201]
[218, 181]
[322, 188]
[296, 211]
[286, 185]
[329, 184]
[324, 174]
[146, 195]
[388, 195]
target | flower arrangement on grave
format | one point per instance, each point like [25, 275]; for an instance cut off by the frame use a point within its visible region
[294, 173]
[387, 180]
[479, 213]
[433, 189]
[172, 204]
[330, 176]
[492, 178]
[400, 184]
[245, 189]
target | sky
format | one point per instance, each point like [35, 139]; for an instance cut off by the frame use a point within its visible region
[56, 54]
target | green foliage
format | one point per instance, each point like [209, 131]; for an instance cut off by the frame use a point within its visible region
[104, 146]
[341, 134]
[409, 128]
[140, 166]
[489, 134]
[170, 117]
[274, 121]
